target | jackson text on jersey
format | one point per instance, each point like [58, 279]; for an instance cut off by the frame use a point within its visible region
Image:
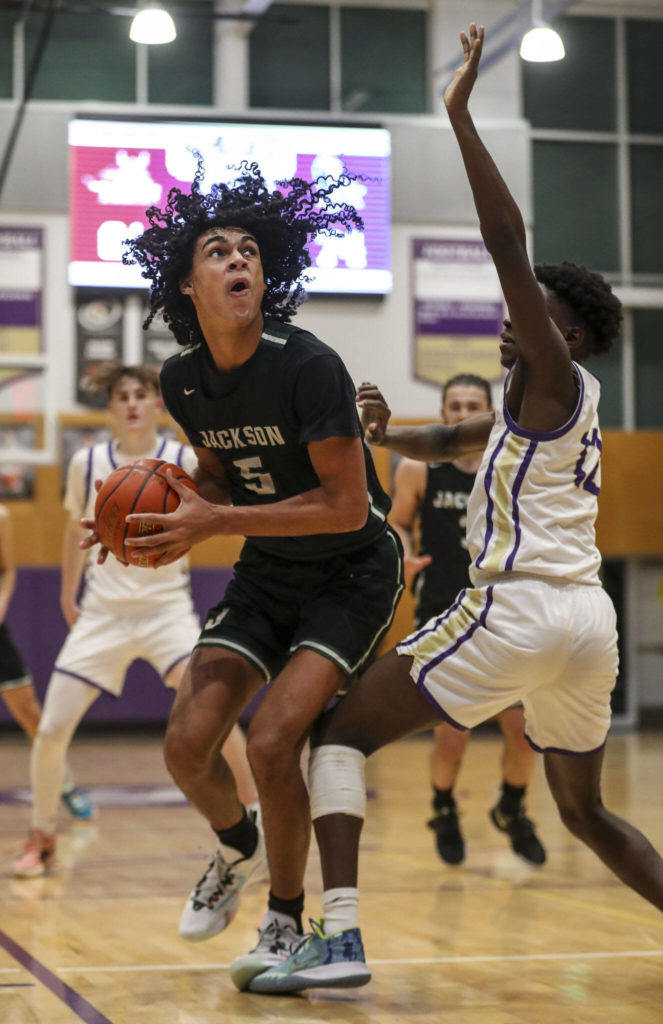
[242, 437]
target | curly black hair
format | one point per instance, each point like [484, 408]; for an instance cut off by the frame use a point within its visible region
[282, 222]
[590, 298]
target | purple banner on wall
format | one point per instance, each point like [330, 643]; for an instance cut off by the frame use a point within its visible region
[21, 284]
[457, 308]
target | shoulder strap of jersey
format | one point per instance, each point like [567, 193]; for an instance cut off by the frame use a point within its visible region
[276, 334]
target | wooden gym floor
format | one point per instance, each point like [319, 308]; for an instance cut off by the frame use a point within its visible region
[491, 942]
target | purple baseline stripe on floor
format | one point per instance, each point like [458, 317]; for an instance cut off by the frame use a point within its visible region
[72, 999]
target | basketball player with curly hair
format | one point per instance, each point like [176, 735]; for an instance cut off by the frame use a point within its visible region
[271, 413]
[536, 625]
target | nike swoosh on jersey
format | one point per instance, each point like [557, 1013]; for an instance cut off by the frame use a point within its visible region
[189, 391]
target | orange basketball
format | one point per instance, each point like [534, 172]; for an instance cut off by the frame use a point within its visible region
[137, 487]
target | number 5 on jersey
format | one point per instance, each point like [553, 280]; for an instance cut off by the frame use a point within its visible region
[253, 477]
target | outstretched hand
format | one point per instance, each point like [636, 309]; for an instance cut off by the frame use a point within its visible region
[374, 413]
[458, 93]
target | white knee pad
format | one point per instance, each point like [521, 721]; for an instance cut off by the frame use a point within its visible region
[336, 781]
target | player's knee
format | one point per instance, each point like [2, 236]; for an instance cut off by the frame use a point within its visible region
[183, 759]
[579, 817]
[52, 733]
[336, 781]
[450, 743]
[336, 728]
[271, 754]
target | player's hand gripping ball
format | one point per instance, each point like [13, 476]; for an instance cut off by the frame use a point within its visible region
[137, 487]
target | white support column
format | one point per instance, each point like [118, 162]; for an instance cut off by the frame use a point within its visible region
[231, 60]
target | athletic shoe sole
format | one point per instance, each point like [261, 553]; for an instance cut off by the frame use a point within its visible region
[341, 975]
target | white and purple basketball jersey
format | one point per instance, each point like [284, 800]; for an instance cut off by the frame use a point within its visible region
[534, 503]
[130, 588]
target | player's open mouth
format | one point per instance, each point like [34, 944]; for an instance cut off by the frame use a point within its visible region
[239, 288]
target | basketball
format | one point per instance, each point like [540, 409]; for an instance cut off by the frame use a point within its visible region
[137, 487]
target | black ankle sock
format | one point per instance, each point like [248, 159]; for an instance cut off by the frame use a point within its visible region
[442, 798]
[243, 836]
[293, 908]
[511, 800]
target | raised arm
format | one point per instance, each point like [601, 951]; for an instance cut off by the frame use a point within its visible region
[548, 381]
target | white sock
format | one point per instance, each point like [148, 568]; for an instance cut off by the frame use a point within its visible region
[340, 910]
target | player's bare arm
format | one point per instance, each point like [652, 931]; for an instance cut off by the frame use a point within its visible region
[91, 539]
[339, 505]
[409, 490]
[431, 442]
[7, 565]
[545, 393]
[72, 564]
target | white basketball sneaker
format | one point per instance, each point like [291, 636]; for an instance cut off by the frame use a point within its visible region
[276, 941]
[214, 901]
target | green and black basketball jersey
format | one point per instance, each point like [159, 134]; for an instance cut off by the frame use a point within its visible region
[442, 521]
[258, 420]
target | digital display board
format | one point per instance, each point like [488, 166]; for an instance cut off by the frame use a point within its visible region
[119, 168]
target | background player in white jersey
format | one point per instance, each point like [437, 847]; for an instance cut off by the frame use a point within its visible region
[270, 410]
[16, 686]
[430, 501]
[536, 625]
[125, 612]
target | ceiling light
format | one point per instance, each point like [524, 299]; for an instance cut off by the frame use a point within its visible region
[152, 25]
[542, 44]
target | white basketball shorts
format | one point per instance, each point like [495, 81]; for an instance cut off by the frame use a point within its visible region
[550, 645]
[102, 645]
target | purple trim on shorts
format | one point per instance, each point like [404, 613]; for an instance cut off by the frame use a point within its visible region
[88, 476]
[438, 621]
[490, 505]
[515, 511]
[561, 750]
[84, 1011]
[481, 621]
[84, 679]
[440, 710]
[546, 435]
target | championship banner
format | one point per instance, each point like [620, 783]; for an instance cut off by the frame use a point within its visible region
[458, 309]
[21, 283]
